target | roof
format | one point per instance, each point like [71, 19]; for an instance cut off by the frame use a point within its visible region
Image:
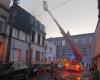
[73, 36]
[20, 18]
[24, 20]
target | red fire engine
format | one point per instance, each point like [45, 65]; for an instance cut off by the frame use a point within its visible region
[72, 67]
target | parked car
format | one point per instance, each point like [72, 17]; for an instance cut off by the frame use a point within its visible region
[33, 70]
[37, 70]
[59, 66]
[14, 71]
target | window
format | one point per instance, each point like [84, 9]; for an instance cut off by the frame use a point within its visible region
[54, 58]
[50, 50]
[63, 54]
[17, 55]
[27, 38]
[83, 40]
[76, 41]
[90, 40]
[63, 51]
[71, 55]
[37, 57]
[1, 52]
[38, 24]
[22, 35]
[35, 23]
[33, 36]
[1, 26]
[57, 43]
[42, 27]
[27, 56]
[84, 50]
[32, 20]
[42, 56]
[69, 51]
[39, 39]
[43, 39]
[63, 42]
[49, 58]
[15, 33]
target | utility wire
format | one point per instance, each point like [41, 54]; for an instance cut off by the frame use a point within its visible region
[63, 3]
[58, 2]
[66, 2]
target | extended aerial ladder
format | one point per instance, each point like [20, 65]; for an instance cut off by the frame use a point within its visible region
[78, 56]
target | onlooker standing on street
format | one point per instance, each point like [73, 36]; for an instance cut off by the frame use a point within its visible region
[52, 69]
[95, 73]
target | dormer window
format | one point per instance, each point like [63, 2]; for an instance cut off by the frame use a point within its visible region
[35, 23]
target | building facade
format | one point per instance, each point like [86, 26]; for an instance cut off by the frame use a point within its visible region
[95, 48]
[37, 43]
[4, 28]
[50, 52]
[83, 42]
[27, 34]
[20, 36]
[5, 3]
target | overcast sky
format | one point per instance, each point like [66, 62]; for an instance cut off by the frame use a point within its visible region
[77, 16]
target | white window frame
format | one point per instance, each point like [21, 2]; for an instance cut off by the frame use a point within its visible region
[15, 33]
[83, 40]
[57, 43]
[63, 43]
[27, 37]
[76, 41]
[90, 40]
[22, 35]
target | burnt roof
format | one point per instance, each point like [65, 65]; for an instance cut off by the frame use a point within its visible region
[21, 18]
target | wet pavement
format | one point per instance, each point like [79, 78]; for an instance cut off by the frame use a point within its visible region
[62, 75]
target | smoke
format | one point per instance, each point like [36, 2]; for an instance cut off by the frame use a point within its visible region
[36, 9]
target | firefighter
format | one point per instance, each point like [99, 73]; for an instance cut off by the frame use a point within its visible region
[52, 70]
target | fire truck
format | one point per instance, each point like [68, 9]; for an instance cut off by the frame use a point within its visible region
[73, 67]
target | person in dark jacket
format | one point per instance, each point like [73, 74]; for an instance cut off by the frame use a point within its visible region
[52, 69]
[95, 73]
